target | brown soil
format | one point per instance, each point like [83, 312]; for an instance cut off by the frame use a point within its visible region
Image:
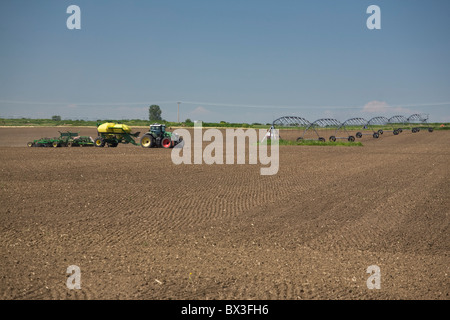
[140, 227]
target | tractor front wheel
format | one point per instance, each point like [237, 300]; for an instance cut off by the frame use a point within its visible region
[99, 142]
[147, 141]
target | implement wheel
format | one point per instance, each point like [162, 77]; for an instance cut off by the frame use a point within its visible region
[55, 144]
[99, 142]
[147, 141]
[30, 144]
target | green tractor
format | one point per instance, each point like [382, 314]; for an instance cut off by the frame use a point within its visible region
[158, 137]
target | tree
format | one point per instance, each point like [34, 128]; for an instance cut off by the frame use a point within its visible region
[56, 118]
[188, 120]
[154, 113]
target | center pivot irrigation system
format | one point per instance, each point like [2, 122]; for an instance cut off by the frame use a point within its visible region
[352, 128]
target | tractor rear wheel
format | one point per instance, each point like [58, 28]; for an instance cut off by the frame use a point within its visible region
[147, 141]
[166, 142]
[99, 142]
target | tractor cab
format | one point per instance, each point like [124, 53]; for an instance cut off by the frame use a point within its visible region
[158, 129]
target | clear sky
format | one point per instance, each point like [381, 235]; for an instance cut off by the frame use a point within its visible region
[225, 60]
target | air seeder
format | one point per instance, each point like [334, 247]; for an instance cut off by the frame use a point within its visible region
[111, 134]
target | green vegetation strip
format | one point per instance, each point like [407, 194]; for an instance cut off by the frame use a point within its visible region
[316, 143]
[27, 122]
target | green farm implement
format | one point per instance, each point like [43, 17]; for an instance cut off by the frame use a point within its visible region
[65, 139]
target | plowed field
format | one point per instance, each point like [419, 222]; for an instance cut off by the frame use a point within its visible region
[140, 227]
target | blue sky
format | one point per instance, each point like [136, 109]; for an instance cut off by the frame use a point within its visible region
[239, 61]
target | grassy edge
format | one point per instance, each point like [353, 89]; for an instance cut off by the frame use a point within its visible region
[315, 143]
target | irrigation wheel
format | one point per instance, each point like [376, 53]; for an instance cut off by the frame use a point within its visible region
[322, 139]
[299, 139]
[376, 135]
[396, 132]
[359, 135]
[333, 139]
[380, 131]
[351, 138]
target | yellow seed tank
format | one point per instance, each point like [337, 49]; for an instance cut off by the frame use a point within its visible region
[113, 128]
